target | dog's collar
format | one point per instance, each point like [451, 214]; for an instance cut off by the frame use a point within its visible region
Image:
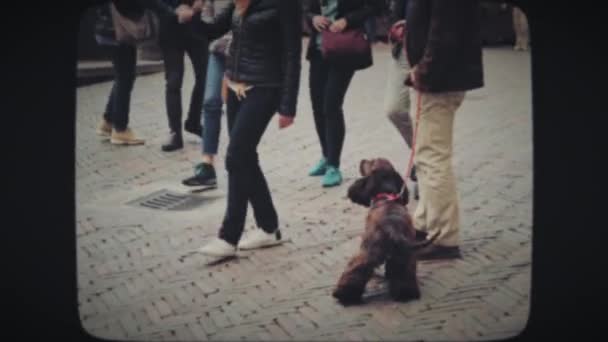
[389, 197]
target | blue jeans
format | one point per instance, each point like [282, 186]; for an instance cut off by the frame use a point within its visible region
[124, 61]
[212, 103]
[370, 29]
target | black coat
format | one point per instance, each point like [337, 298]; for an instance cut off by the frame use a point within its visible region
[266, 46]
[356, 12]
[171, 31]
[443, 44]
[397, 10]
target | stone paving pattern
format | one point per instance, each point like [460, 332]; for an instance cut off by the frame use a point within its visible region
[140, 279]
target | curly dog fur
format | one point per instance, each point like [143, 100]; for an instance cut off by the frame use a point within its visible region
[389, 236]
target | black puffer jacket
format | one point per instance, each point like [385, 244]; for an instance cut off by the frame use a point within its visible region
[266, 46]
[356, 12]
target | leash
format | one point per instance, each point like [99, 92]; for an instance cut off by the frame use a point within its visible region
[410, 163]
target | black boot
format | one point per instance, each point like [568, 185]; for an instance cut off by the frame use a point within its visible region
[194, 128]
[175, 142]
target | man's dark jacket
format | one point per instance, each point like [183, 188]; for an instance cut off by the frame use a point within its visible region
[443, 44]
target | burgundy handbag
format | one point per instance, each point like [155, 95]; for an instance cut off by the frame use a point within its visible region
[349, 48]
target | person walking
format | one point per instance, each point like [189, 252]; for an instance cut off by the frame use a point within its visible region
[176, 41]
[115, 122]
[263, 77]
[204, 172]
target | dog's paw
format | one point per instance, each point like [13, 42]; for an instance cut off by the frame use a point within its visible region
[346, 296]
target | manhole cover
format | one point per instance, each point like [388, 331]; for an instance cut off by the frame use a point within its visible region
[169, 200]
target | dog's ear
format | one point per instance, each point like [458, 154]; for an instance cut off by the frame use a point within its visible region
[360, 191]
[365, 167]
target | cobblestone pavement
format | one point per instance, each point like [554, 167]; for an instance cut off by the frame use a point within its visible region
[140, 280]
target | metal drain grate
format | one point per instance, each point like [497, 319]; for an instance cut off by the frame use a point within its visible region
[168, 200]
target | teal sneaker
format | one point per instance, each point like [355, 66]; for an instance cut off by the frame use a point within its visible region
[204, 177]
[319, 169]
[332, 177]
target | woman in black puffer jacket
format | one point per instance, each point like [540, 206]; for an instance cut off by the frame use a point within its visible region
[329, 81]
[263, 76]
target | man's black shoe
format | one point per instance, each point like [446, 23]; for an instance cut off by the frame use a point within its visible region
[421, 235]
[175, 142]
[194, 128]
[437, 252]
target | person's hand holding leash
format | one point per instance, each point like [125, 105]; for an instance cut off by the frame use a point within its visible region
[413, 78]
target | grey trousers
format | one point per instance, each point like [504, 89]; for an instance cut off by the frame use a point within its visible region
[397, 99]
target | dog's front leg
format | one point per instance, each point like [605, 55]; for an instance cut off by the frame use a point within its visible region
[352, 282]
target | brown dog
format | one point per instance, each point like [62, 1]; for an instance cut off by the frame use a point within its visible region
[389, 236]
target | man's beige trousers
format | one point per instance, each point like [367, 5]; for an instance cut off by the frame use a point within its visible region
[437, 209]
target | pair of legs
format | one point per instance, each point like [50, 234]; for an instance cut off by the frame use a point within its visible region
[437, 209]
[328, 86]
[174, 52]
[397, 99]
[116, 116]
[211, 122]
[248, 119]
[520, 24]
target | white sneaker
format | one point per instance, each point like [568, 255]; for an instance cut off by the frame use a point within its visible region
[218, 247]
[258, 238]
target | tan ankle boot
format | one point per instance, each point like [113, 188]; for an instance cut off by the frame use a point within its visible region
[104, 128]
[126, 137]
